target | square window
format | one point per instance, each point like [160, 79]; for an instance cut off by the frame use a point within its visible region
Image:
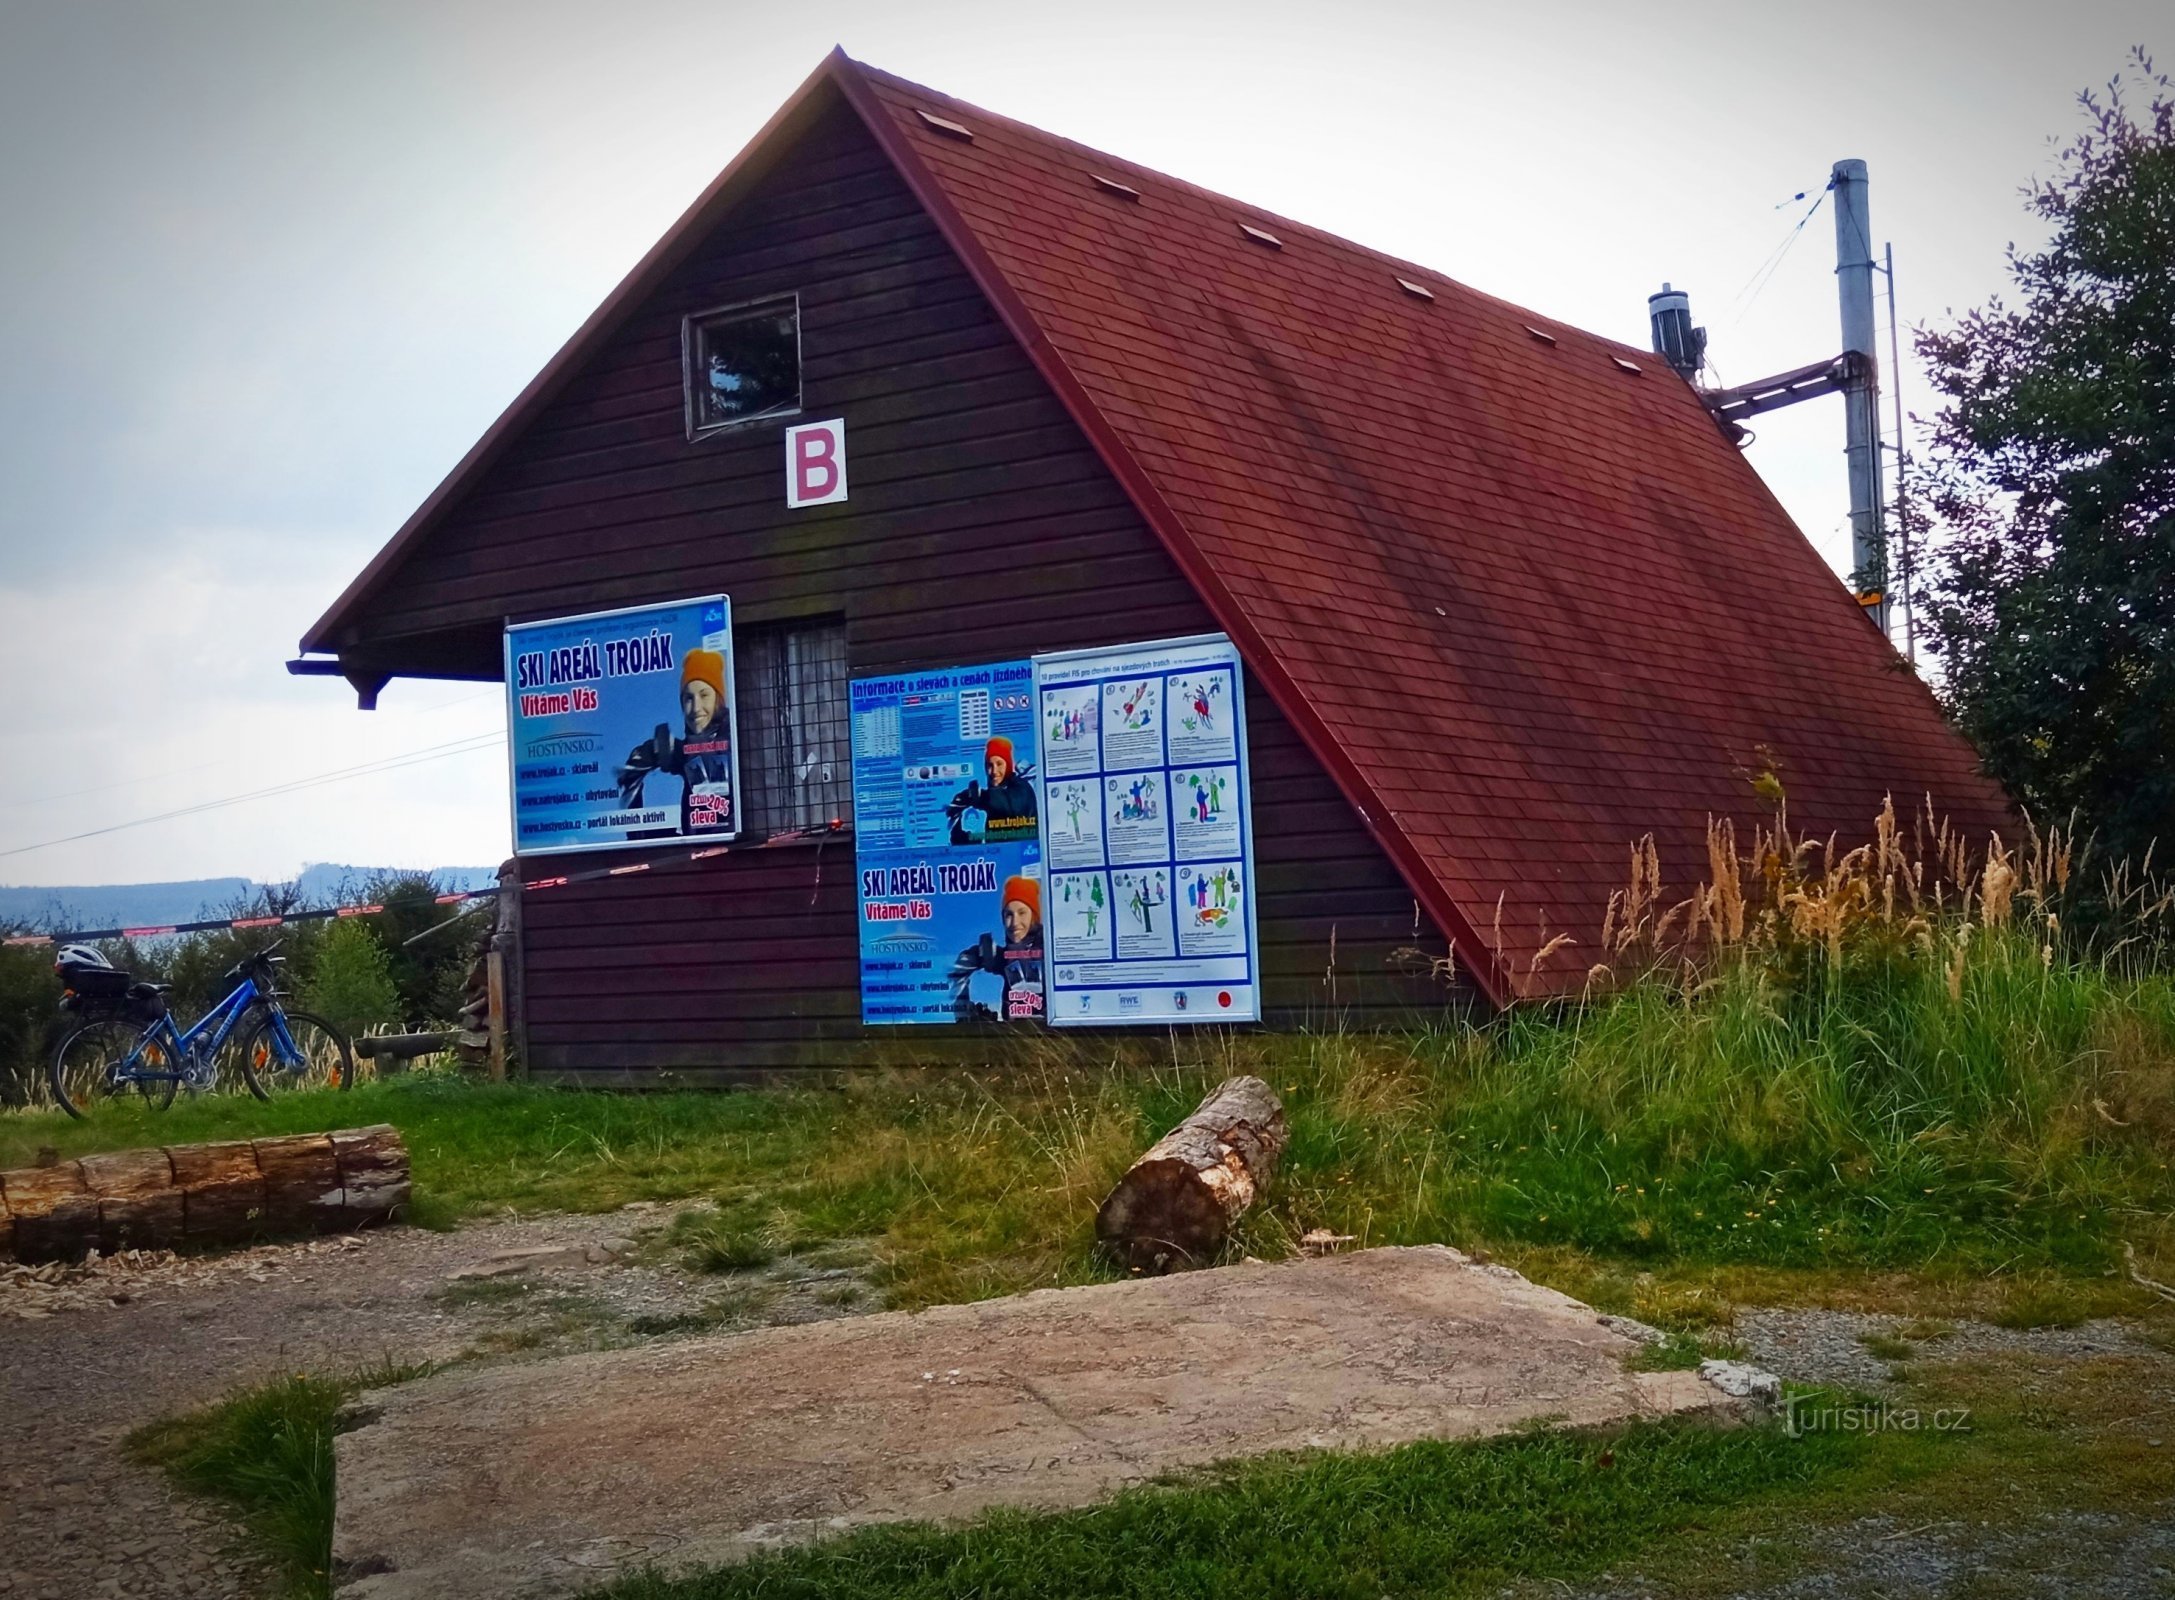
[743, 363]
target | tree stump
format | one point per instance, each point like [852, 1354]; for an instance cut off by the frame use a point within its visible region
[1175, 1205]
[204, 1194]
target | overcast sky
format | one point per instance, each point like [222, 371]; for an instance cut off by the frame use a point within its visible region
[267, 271]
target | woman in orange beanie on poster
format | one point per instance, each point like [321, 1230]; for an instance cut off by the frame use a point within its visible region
[1018, 960]
[1005, 805]
[701, 757]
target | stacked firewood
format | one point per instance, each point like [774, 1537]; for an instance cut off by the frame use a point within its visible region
[472, 1028]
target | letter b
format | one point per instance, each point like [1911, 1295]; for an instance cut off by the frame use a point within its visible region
[815, 464]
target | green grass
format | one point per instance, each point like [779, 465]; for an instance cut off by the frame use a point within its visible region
[268, 1452]
[1683, 1352]
[1427, 1519]
[1669, 1154]
[710, 1244]
[2016, 1131]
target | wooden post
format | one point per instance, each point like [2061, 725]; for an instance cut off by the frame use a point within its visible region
[506, 939]
[495, 968]
[1175, 1205]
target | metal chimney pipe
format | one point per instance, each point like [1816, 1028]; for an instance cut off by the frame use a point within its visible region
[1684, 347]
[1861, 397]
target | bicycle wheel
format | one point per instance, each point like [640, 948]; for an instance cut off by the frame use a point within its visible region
[85, 1062]
[321, 1058]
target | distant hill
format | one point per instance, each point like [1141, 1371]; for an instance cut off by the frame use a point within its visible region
[145, 905]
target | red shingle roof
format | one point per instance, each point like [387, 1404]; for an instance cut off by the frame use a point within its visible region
[1531, 600]
[1526, 604]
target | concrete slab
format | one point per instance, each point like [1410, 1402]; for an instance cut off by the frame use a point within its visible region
[533, 1482]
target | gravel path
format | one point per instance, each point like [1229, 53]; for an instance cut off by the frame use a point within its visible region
[86, 1357]
[1829, 1347]
[2057, 1555]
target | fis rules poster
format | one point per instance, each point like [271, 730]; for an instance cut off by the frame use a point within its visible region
[1148, 834]
[621, 727]
[947, 841]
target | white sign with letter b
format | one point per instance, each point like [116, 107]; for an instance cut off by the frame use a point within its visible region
[815, 464]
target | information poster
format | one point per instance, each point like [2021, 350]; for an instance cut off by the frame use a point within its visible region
[622, 727]
[947, 839]
[1147, 834]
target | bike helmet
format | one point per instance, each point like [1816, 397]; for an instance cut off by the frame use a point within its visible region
[81, 955]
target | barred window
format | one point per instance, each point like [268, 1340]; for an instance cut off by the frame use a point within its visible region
[795, 730]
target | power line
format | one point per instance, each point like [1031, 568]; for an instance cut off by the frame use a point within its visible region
[468, 745]
[1764, 274]
[201, 766]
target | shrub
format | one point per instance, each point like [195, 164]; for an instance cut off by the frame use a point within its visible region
[29, 1007]
[352, 984]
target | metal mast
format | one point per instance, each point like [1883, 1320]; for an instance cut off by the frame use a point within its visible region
[1861, 395]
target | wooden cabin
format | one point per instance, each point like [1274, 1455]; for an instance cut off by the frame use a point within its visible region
[1507, 598]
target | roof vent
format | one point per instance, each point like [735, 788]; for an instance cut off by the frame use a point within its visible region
[1124, 191]
[958, 130]
[1418, 291]
[1628, 366]
[1545, 338]
[1261, 236]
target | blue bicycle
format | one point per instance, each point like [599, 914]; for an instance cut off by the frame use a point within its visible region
[130, 1045]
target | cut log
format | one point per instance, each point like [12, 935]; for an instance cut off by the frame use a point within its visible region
[222, 1190]
[301, 1179]
[373, 1167]
[55, 1215]
[138, 1206]
[1175, 1205]
[207, 1194]
[393, 1051]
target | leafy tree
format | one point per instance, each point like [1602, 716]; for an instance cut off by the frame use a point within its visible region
[352, 984]
[2051, 486]
[430, 958]
[197, 964]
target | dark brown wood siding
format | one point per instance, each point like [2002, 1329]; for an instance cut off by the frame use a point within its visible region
[981, 526]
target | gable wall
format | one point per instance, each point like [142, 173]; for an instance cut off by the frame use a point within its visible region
[981, 526]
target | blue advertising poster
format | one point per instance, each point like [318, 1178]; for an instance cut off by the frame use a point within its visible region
[1147, 834]
[622, 728]
[947, 841]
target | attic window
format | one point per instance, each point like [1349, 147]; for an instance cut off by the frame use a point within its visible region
[1628, 366]
[1261, 236]
[945, 125]
[1545, 338]
[1124, 191]
[1418, 291]
[742, 364]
